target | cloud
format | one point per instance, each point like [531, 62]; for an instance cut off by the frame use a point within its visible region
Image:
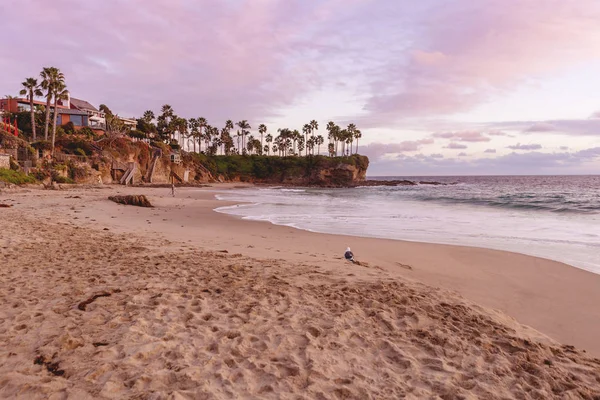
[490, 151]
[595, 115]
[436, 155]
[377, 150]
[465, 136]
[520, 146]
[585, 161]
[464, 55]
[456, 146]
[571, 127]
[252, 59]
[541, 127]
[564, 148]
[462, 154]
[242, 59]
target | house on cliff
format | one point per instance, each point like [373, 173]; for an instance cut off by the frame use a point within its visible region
[96, 119]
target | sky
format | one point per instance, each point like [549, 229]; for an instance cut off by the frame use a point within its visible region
[437, 87]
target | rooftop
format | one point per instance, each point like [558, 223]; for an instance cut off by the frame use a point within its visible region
[82, 104]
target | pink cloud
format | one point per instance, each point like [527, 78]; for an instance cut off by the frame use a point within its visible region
[377, 150]
[541, 127]
[465, 54]
[520, 146]
[456, 146]
[465, 136]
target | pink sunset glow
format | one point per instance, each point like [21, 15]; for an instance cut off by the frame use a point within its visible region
[419, 78]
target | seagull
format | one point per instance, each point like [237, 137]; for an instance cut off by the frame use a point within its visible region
[348, 255]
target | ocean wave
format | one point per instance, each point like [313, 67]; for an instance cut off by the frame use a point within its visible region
[534, 204]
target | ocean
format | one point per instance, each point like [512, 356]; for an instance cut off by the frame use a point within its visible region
[554, 217]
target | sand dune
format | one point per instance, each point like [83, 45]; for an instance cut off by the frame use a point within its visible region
[89, 313]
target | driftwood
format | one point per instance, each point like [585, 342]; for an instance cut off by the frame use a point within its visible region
[5, 205]
[83, 305]
[132, 200]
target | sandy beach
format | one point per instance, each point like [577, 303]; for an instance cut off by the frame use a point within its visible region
[100, 300]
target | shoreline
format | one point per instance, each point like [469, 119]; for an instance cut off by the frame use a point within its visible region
[524, 287]
[244, 218]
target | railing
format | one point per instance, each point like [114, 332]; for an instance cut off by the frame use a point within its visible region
[97, 125]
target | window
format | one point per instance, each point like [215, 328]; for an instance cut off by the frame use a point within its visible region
[77, 120]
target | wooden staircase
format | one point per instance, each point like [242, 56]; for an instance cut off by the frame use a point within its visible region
[127, 177]
[155, 157]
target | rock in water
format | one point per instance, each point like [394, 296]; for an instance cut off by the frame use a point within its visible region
[132, 200]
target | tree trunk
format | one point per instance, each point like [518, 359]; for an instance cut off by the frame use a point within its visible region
[356, 146]
[54, 125]
[47, 124]
[32, 116]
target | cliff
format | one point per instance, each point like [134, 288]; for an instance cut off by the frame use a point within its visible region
[80, 160]
[297, 171]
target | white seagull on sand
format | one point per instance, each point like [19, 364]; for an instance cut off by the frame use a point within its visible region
[348, 255]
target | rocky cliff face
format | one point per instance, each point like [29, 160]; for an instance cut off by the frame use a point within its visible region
[328, 174]
[109, 161]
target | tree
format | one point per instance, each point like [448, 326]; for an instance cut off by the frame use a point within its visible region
[351, 131]
[310, 145]
[250, 144]
[181, 125]
[295, 136]
[262, 129]
[314, 126]
[357, 135]
[148, 116]
[104, 108]
[31, 90]
[193, 122]
[319, 140]
[244, 126]
[268, 139]
[164, 123]
[306, 129]
[202, 124]
[333, 134]
[50, 77]
[60, 92]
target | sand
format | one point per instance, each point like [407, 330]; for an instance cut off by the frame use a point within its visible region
[100, 300]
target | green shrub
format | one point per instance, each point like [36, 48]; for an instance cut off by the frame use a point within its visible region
[61, 179]
[87, 131]
[69, 128]
[15, 177]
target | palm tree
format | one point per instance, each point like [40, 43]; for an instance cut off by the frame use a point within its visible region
[148, 116]
[306, 129]
[202, 124]
[314, 126]
[244, 126]
[332, 129]
[350, 138]
[31, 89]
[357, 135]
[60, 92]
[268, 139]
[262, 129]
[50, 77]
[319, 140]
